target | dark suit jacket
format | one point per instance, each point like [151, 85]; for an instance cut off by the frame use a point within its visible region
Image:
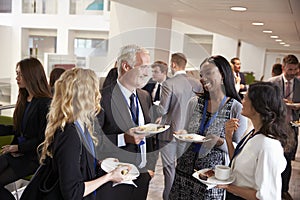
[149, 87]
[115, 119]
[243, 81]
[34, 133]
[73, 162]
[296, 91]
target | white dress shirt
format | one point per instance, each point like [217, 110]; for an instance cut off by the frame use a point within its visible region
[259, 166]
[121, 140]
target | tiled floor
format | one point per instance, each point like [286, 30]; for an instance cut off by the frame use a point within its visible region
[157, 183]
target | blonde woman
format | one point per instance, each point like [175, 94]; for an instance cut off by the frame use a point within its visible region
[69, 138]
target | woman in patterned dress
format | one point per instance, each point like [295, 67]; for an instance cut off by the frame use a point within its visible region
[206, 115]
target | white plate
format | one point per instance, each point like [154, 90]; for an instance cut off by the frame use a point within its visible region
[149, 129]
[109, 164]
[295, 123]
[293, 104]
[212, 180]
[191, 137]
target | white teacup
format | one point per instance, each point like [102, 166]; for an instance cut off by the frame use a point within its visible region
[222, 172]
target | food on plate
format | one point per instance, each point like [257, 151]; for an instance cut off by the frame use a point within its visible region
[206, 175]
[187, 137]
[296, 122]
[124, 171]
[146, 128]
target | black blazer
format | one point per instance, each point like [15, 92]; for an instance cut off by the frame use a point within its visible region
[73, 162]
[115, 119]
[34, 133]
[149, 87]
[243, 81]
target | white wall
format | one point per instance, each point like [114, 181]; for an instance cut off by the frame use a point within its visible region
[224, 46]
[180, 41]
[5, 52]
[252, 59]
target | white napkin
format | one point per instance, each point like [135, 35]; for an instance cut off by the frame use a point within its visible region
[128, 180]
[125, 182]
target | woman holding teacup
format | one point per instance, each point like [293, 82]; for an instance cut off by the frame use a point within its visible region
[207, 114]
[258, 160]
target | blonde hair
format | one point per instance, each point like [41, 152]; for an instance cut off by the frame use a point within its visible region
[76, 97]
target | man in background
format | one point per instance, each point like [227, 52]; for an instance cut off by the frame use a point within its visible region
[239, 76]
[176, 92]
[159, 75]
[276, 69]
[290, 87]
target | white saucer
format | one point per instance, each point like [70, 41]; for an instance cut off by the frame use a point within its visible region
[212, 180]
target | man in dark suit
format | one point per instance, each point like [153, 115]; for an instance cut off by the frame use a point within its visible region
[159, 75]
[290, 87]
[239, 77]
[125, 106]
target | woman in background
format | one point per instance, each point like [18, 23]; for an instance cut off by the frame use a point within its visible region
[54, 76]
[258, 160]
[20, 158]
[206, 115]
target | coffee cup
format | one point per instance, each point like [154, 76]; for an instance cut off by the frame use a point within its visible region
[222, 172]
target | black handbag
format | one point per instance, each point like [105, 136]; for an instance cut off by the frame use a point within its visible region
[44, 184]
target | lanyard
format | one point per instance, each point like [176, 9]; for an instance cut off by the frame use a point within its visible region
[242, 144]
[203, 124]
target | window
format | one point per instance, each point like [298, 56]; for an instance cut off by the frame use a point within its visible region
[5, 6]
[90, 47]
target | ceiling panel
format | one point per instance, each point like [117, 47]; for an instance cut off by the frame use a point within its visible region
[281, 16]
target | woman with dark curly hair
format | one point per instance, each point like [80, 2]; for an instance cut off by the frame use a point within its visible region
[258, 160]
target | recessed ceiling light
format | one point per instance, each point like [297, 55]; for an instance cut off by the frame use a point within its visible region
[282, 43]
[257, 23]
[278, 40]
[267, 31]
[286, 45]
[274, 36]
[238, 8]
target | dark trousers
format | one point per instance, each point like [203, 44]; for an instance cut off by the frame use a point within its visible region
[7, 176]
[289, 156]
[125, 191]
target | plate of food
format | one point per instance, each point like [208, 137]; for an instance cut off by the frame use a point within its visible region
[293, 104]
[191, 137]
[207, 176]
[151, 128]
[109, 164]
[295, 123]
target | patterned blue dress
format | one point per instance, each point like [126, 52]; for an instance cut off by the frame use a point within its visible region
[185, 186]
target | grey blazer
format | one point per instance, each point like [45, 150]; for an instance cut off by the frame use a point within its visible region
[296, 91]
[175, 94]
